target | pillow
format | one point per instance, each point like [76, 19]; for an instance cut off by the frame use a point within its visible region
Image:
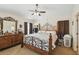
[41, 32]
[52, 32]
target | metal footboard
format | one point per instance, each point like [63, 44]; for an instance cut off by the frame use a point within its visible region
[36, 42]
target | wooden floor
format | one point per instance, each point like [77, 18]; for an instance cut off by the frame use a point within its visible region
[61, 50]
[17, 50]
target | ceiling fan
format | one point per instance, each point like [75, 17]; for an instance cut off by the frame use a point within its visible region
[36, 11]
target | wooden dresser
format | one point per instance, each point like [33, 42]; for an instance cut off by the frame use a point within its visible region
[10, 40]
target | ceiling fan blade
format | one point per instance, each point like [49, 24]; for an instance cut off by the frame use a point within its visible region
[32, 10]
[42, 11]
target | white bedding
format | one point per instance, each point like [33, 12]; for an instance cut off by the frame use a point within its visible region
[44, 35]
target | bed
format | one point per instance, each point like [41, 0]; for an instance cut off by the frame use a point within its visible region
[42, 42]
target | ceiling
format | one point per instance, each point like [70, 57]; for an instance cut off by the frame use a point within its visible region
[22, 9]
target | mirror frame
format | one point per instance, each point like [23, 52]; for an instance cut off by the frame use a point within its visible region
[8, 19]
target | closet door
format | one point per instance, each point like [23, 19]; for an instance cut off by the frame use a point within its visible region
[30, 28]
[63, 27]
[25, 28]
[66, 27]
[60, 27]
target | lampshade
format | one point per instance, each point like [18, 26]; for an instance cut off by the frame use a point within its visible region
[38, 14]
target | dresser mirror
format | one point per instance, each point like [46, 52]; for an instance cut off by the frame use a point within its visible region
[8, 24]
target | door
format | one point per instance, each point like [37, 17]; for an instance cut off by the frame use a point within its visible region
[63, 27]
[25, 28]
[30, 28]
[66, 27]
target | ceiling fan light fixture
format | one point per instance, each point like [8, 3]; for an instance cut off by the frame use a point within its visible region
[36, 14]
[36, 4]
[36, 11]
[39, 14]
[32, 13]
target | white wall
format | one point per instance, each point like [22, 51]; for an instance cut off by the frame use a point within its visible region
[51, 18]
[74, 26]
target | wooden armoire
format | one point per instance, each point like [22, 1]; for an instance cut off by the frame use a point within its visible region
[63, 27]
